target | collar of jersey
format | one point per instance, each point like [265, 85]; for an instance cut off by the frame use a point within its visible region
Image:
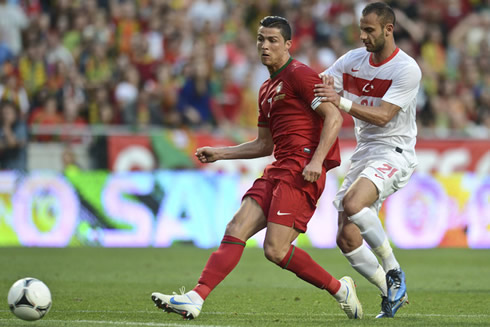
[371, 61]
[280, 69]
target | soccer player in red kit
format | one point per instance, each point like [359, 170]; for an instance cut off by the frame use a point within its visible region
[302, 131]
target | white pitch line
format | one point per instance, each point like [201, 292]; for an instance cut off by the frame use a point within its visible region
[120, 323]
[443, 315]
[271, 314]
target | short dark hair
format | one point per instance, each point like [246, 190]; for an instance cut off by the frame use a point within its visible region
[382, 10]
[278, 22]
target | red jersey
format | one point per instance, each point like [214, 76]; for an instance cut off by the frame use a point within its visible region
[287, 106]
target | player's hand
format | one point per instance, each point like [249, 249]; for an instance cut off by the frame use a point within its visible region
[312, 171]
[325, 91]
[326, 79]
[327, 94]
[207, 154]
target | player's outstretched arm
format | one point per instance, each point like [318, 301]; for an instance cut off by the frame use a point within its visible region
[260, 147]
[331, 127]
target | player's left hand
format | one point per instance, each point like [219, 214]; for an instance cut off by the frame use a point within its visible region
[312, 172]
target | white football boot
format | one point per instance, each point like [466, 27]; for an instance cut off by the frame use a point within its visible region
[351, 305]
[188, 305]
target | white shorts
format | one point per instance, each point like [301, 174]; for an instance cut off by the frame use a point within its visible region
[389, 172]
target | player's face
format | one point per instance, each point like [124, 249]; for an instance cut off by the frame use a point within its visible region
[272, 47]
[372, 33]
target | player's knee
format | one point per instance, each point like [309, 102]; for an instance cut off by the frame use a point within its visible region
[346, 244]
[351, 207]
[348, 237]
[273, 254]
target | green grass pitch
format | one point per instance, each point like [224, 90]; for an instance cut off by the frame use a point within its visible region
[112, 287]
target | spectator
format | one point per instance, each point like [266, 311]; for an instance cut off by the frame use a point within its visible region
[75, 48]
[38, 30]
[73, 38]
[12, 21]
[99, 98]
[126, 24]
[13, 138]
[228, 101]
[100, 30]
[12, 90]
[141, 58]
[433, 50]
[57, 51]
[304, 26]
[73, 87]
[73, 122]
[32, 68]
[47, 115]
[207, 13]
[164, 91]
[126, 95]
[98, 66]
[57, 76]
[154, 37]
[194, 102]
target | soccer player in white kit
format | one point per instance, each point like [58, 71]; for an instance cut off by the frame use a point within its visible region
[379, 84]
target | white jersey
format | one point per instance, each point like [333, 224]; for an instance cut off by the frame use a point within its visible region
[396, 80]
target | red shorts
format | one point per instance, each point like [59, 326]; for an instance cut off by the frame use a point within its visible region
[287, 202]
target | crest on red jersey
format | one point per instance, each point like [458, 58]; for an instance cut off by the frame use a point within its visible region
[279, 88]
[278, 91]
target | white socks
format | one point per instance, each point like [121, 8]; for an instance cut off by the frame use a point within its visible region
[195, 298]
[365, 263]
[341, 293]
[371, 229]
[385, 252]
[374, 234]
[379, 279]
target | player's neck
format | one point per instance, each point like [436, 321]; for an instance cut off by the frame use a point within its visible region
[381, 56]
[274, 69]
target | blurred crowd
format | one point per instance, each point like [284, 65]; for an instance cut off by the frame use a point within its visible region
[194, 64]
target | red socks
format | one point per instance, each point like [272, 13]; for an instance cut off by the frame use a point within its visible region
[224, 260]
[300, 263]
[220, 264]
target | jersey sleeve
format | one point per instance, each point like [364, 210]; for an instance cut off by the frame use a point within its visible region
[262, 121]
[405, 86]
[303, 80]
[337, 72]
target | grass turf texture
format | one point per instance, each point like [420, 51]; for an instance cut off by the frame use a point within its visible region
[112, 287]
